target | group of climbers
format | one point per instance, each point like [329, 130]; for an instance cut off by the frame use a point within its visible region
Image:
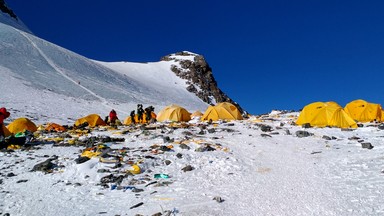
[143, 116]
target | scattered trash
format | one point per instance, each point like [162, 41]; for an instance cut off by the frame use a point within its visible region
[164, 176]
[135, 169]
[218, 199]
[367, 145]
[211, 130]
[81, 160]
[129, 168]
[184, 146]
[204, 148]
[301, 134]
[151, 183]
[11, 174]
[327, 137]
[164, 183]
[265, 135]
[188, 168]
[45, 166]
[137, 205]
[381, 126]
[137, 190]
[265, 128]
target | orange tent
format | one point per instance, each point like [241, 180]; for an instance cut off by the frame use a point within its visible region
[55, 127]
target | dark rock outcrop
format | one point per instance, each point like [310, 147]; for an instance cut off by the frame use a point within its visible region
[193, 68]
[5, 9]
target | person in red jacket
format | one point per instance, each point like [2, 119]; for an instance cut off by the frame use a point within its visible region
[3, 115]
[112, 117]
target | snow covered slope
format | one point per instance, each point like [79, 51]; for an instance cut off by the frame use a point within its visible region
[249, 170]
[35, 71]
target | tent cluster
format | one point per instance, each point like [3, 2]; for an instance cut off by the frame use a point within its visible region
[173, 113]
[221, 111]
[323, 114]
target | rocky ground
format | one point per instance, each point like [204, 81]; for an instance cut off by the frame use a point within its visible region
[262, 165]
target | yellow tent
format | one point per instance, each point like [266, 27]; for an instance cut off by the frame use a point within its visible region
[93, 120]
[197, 114]
[128, 120]
[322, 114]
[382, 115]
[173, 113]
[224, 111]
[21, 125]
[6, 131]
[362, 111]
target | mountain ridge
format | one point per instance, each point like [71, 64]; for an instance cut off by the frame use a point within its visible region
[47, 69]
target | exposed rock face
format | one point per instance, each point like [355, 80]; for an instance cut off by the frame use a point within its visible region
[193, 68]
[5, 9]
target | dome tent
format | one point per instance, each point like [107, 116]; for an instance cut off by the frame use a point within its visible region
[174, 113]
[224, 111]
[363, 111]
[93, 120]
[6, 131]
[322, 114]
[21, 125]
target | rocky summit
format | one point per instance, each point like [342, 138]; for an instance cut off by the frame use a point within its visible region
[5, 9]
[200, 80]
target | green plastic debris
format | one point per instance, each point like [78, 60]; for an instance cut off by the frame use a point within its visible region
[164, 176]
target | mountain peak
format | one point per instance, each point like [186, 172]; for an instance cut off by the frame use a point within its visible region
[8, 17]
[5, 9]
[199, 78]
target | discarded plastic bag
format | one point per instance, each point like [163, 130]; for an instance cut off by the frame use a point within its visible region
[161, 175]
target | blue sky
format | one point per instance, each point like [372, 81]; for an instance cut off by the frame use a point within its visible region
[264, 54]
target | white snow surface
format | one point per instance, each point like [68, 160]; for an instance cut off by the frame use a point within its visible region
[255, 174]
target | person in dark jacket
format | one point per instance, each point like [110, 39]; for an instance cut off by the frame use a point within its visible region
[3, 115]
[148, 113]
[133, 117]
[140, 113]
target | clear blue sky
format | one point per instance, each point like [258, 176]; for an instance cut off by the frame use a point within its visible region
[264, 54]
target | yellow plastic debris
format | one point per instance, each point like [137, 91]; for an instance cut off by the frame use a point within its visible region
[90, 154]
[135, 169]
[13, 147]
